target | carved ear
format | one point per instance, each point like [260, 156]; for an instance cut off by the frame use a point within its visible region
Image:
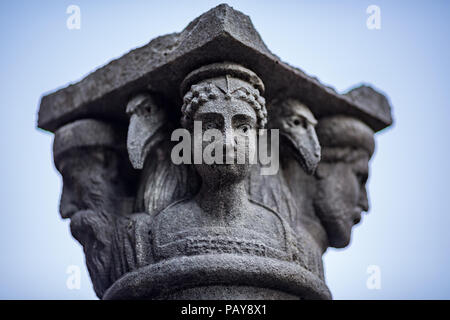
[145, 120]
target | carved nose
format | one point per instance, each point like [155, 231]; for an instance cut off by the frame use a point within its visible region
[363, 200]
[229, 145]
[229, 139]
[229, 150]
[66, 205]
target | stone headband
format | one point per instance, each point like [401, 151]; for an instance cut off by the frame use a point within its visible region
[220, 70]
[226, 78]
[87, 133]
[345, 131]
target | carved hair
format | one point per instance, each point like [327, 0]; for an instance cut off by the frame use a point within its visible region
[207, 91]
[344, 138]
[343, 154]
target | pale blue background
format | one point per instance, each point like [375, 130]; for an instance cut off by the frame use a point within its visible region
[407, 230]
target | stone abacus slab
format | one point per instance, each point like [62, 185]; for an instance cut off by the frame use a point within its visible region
[221, 34]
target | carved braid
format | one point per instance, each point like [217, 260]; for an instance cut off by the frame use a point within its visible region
[202, 93]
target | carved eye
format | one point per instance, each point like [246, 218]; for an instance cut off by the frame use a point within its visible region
[244, 128]
[297, 121]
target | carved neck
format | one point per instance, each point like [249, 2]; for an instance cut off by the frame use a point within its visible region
[223, 200]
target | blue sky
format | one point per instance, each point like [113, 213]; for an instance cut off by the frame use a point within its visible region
[406, 231]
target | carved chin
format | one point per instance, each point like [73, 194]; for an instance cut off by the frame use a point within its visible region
[222, 173]
[339, 232]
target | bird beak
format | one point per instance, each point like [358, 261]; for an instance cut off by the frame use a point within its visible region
[305, 147]
[142, 137]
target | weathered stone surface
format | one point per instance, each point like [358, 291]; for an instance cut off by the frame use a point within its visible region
[371, 99]
[221, 34]
[98, 191]
[153, 227]
[341, 196]
[163, 280]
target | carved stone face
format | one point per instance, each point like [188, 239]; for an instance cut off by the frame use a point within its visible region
[341, 197]
[236, 121]
[90, 181]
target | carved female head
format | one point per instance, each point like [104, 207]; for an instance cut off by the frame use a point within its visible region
[226, 104]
